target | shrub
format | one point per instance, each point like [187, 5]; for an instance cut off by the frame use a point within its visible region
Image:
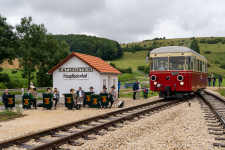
[14, 71]
[141, 68]
[207, 52]
[216, 62]
[222, 66]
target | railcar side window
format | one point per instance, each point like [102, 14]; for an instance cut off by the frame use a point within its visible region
[177, 63]
[200, 66]
[161, 63]
[203, 66]
[195, 62]
[189, 63]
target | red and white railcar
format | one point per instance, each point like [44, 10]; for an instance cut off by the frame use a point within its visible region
[176, 71]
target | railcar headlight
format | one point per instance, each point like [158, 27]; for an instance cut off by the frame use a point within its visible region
[155, 83]
[180, 78]
[158, 85]
[153, 77]
[181, 83]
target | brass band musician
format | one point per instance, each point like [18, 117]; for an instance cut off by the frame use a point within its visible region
[34, 93]
[56, 96]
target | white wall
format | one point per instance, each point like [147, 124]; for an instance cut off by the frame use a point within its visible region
[64, 85]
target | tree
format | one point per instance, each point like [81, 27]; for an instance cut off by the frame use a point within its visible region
[31, 38]
[50, 55]
[7, 46]
[194, 45]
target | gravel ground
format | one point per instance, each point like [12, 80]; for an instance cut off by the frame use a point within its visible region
[41, 119]
[179, 127]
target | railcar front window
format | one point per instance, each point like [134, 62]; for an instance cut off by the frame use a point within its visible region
[161, 63]
[177, 63]
[151, 62]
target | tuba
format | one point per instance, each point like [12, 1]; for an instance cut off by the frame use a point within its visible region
[32, 91]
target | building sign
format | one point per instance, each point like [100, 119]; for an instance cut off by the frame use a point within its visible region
[77, 69]
[79, 75]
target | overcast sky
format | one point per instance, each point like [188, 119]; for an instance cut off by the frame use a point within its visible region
[122, 20]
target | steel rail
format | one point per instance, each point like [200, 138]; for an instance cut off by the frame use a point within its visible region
[49, 131]
[69, 139]
[218, 115]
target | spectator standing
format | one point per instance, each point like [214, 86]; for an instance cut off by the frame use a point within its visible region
[209, 80]
[138, 92]
[4, 98]
[220, 80]
[112, 96]
[119, 83]
[214, 81]
[135, 88]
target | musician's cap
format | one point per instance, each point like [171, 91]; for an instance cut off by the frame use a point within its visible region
[28, 88]
[48, 89]
[113, 87]
[91, 87]
[104, 87]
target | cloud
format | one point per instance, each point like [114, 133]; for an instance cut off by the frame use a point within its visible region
[122, 20]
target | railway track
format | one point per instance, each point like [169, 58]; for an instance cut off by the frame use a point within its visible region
[214, 109]
[70, 133]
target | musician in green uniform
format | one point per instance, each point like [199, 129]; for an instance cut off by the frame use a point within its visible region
[4, 98]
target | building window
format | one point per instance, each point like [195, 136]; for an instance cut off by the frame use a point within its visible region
[104, 82]
[114, 82]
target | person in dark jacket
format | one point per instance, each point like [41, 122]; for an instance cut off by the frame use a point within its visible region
[220, 80]
[135, 88]
[209, 80]
[214, 81]
[119, 83]
[4, 98]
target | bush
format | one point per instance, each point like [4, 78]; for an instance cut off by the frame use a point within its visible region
[14, 71]
[222, 66]
[142, 68]
[122, 70]
[216, 62]
[207, 52]
[113, 65]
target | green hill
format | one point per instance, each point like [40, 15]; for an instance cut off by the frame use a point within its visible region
[215, 58]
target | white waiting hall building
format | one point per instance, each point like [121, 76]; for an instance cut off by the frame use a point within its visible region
[81, 70]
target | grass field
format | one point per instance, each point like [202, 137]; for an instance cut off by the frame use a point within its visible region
[132, 60]
[15, 76]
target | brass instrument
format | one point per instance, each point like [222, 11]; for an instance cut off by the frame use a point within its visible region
[33, 92]
[72, 91]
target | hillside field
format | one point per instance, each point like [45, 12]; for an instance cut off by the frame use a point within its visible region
[215, 58]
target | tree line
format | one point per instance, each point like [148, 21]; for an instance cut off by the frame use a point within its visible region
[92, 45]
[38, 51]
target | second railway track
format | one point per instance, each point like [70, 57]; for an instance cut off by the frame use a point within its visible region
[214, 108]
[69, 133]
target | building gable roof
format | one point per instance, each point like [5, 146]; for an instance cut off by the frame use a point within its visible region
[95, 62]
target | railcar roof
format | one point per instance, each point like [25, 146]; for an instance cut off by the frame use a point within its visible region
[174, 49]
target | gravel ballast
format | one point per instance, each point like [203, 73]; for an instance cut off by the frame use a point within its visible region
[41, 119]
[178, 127]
